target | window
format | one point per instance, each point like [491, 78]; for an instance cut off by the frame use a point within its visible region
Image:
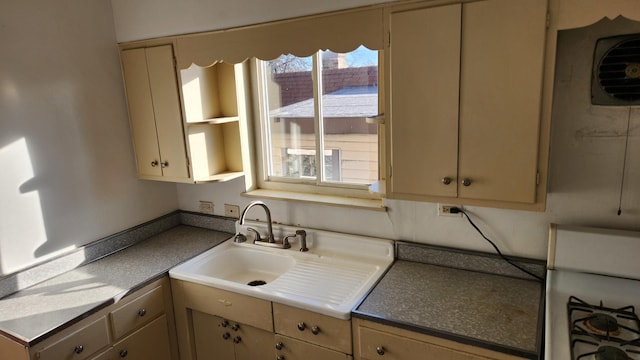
[319, 105]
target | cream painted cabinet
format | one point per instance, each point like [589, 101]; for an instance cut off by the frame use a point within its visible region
[140, 326]
[374, 341]
[465, 98]
[155, 114]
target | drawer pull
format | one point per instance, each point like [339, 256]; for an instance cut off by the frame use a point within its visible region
[280, 357]
[142, 312]
[224, 323]
[235, 327]
[302, 326]
[237, 339]
[315, 330]
[226, 336]
[124, 353]
[380, 350]
[79, 349]
[279, 346]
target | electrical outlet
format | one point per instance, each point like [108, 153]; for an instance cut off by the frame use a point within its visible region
[232, 211]
[445, 210]
[206, 207]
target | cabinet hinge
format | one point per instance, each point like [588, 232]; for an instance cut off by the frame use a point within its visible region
[548, 20]
[537, 178]
[175, 62]
[389, 39]
[390, 171]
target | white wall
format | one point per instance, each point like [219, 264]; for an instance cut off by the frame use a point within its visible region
[68, 171]
[584, 172]
[145, 19]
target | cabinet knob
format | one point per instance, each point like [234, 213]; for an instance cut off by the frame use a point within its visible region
[235, 327]
[154, 163]
[224, 323]
[226, 336]
[315, 330]
[279, 346]
[123, 353]
[142, 312]
[237, 339]
[79, 349]
[380, 350]
[446, 180]
[280, 357]
[466, 182]
[302, 326]
[164, 164]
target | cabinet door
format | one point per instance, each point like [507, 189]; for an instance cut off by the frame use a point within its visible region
[154, 111]
[425, 67]
[143, 124]
[254, 344]
[150, 342]
[500, 98]
[212, 337]
[166, 109]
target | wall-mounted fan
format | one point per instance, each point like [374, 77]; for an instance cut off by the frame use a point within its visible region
[616, 71]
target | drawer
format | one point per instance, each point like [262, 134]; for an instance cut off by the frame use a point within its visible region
[137, 312]
[313, 327]
[149, 342]
[289, 348]
[80, 344]
[107, 355]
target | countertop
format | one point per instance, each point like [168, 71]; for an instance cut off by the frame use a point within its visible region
[33, 314]
[497, 312]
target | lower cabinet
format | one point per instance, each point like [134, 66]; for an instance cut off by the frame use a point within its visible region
[215, 324]
[376, 341]
[138, 327]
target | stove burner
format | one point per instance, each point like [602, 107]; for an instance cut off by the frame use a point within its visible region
[603, 324]
[610, 353]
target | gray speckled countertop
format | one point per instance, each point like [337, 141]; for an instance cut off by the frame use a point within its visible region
[492, 311]
[32, 314]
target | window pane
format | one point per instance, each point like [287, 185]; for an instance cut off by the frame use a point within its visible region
[350, 94]
[290, 132]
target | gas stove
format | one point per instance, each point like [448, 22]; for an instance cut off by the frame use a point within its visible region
[593, 291]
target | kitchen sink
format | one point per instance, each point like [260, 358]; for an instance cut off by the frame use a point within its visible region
[330, 278]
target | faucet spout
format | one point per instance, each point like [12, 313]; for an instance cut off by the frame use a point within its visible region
[270, 237]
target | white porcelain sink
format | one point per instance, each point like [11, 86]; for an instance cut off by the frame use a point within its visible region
[331, 278]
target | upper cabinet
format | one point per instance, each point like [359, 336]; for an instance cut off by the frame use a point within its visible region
[187, 133]
[465, 96]
[154, 111]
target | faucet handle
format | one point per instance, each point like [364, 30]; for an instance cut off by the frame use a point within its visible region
[257, 234]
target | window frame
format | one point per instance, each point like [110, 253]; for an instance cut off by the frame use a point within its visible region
[296, 185]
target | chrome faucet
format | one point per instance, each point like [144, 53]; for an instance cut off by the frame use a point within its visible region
[270, 238]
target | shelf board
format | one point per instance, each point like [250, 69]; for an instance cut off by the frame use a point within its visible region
[217, 120]
[221, 177]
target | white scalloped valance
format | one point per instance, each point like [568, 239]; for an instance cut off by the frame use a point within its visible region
[579, 13]
[340, 32]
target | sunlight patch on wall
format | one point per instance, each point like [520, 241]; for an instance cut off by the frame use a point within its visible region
[22, 228]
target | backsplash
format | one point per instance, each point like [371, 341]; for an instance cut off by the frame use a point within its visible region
[109, 245]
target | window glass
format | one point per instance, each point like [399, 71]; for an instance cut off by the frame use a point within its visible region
[318, 105]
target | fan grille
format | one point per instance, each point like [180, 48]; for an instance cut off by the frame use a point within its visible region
[618, 70]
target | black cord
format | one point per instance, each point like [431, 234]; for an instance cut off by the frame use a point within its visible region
[494, 245]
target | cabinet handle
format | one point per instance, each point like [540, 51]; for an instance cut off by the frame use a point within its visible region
[224, 323]
[446, 180]
[79, 349]
[164, 164]
[380, 350]
[235, 327]
[226, 336]
[154, 163]
[142, 312]
[315, 330]
[237, 339]
[302, 326]
[466, 182]
[124, 353]
[279, 346]
[280, 357]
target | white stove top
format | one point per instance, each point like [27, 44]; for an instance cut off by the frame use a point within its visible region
[593, 265]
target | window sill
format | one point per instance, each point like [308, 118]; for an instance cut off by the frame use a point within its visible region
[365, 204]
